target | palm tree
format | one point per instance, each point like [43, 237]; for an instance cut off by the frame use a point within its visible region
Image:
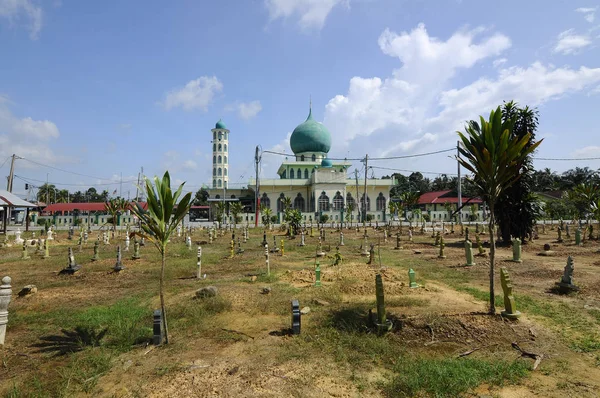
[236, 209]
[165, 212]
[266, 215]
[220, 211]
[114, 207]
[495, 159]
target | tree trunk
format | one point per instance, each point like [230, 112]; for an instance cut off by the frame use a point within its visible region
[162, 296]
[492, 257]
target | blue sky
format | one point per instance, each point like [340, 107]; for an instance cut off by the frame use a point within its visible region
[104, 88]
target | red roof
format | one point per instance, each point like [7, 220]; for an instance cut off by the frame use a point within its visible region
[98, 206]
[439, 197]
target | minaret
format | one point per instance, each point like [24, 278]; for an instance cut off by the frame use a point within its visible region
[220, 144]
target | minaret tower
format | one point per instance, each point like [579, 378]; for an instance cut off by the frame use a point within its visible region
[220, 143]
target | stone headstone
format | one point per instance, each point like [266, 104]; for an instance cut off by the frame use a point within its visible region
[442, 246]
[46, 249]
[365, 251]
[578, 237]
[127, 243]
[95, 257]
[318, 275]
[296, 317]
[25, 255]
[371, 254]
[136, 250]
[302, 243]
[199, 264]
[516, 248]
[72, 266]
[469, 253]
[510, 308]
[119, 264]
[412, 279]
[18, 239]
[566, 284]
[5, 296]
[341, 239]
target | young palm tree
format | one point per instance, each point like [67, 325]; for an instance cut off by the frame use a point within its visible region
[160, 221]
[494, 158]
[236, 209]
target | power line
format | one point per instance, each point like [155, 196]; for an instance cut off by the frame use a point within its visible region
[64, 171]
[29, 179]
[3, 163]
[380, 158]
[567, 159]
[412, 171]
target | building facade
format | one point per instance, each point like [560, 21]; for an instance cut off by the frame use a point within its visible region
[316, 185]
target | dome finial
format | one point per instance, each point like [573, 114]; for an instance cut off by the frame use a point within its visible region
[309, 107]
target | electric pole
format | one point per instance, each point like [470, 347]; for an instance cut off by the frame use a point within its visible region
[256, 197]
[358, 210]
[365, 197]
[459, 188]
[9, 184]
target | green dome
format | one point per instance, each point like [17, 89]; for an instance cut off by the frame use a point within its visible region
[220, 125]
[326, 163]
[310, 136]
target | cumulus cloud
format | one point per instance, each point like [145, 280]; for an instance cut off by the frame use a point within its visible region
[589, 13]
[172, 161]
[311, 14]
[416, 109]
[195, 95]
[499, 62]
[588, 151]
[245, 110]
[26, 137]
[17, 10]
[569, 42]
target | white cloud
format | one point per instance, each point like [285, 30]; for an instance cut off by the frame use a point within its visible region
[196, 94]
[26, 137]
[13, 10]
[586, 152]
[414, 109]
[270, 162]
[173, 162]
[190, 165]
[311, 14]
[245, 110]
[569, 42]
[403, 100]
[589, 13]
[499, 62]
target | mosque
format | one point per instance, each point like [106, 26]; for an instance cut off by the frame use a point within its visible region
[317, 186]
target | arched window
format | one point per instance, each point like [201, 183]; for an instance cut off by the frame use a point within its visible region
[323, 202]
[214, 172]
[217, 196]
[338, 201]
[214, 159]
[292, 174]
[214, 183]
[283, 175]
[220, 160]
[225, 159]
[220, 172]
[299, 173]
[220, 147]
[305, 173]
[380, 202]
[265, 201]
[225, 147]
[280, 202]
[362, 203]
[299, 202]
[219, 183]
[214, 135]
[302, 158]
[350, 201]
[214, 147]
[225, 171]
[314, 158]
[232, 196]
[220, 135]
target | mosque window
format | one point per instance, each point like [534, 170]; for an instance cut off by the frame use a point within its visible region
[305, 173]
[214, 172]
[220, 172]
[314, 157]
[219, 183]
[380, 203]
[214, 183]
[225, 171]
[362, 203]
[220, 147]
[265, 201]
[220, 160]
[214, 135]
[232, 196]
[225, 147]
[302, 158]
[350, 200]
[214, 159]
[225, 159]
[323, 202]
[281, 202]
[299, 173]
[283, 175]
[214, 147]
[217, 196]
[220, 135]
[299, 202]
[338, 201]
[292, 174]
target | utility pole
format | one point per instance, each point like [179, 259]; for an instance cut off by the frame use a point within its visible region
[121, 186]
[9, 183]
[256, 196]
[365, 197]
[459, 188]
[358, 210]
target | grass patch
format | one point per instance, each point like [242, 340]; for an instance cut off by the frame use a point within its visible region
[450, 377]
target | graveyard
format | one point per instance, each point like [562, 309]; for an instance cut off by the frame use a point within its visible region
[78, 327]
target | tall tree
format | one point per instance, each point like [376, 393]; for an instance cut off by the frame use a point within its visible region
[517, 208]
[494, 155]
[201, 197]
[165, 212]
[45, 193]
